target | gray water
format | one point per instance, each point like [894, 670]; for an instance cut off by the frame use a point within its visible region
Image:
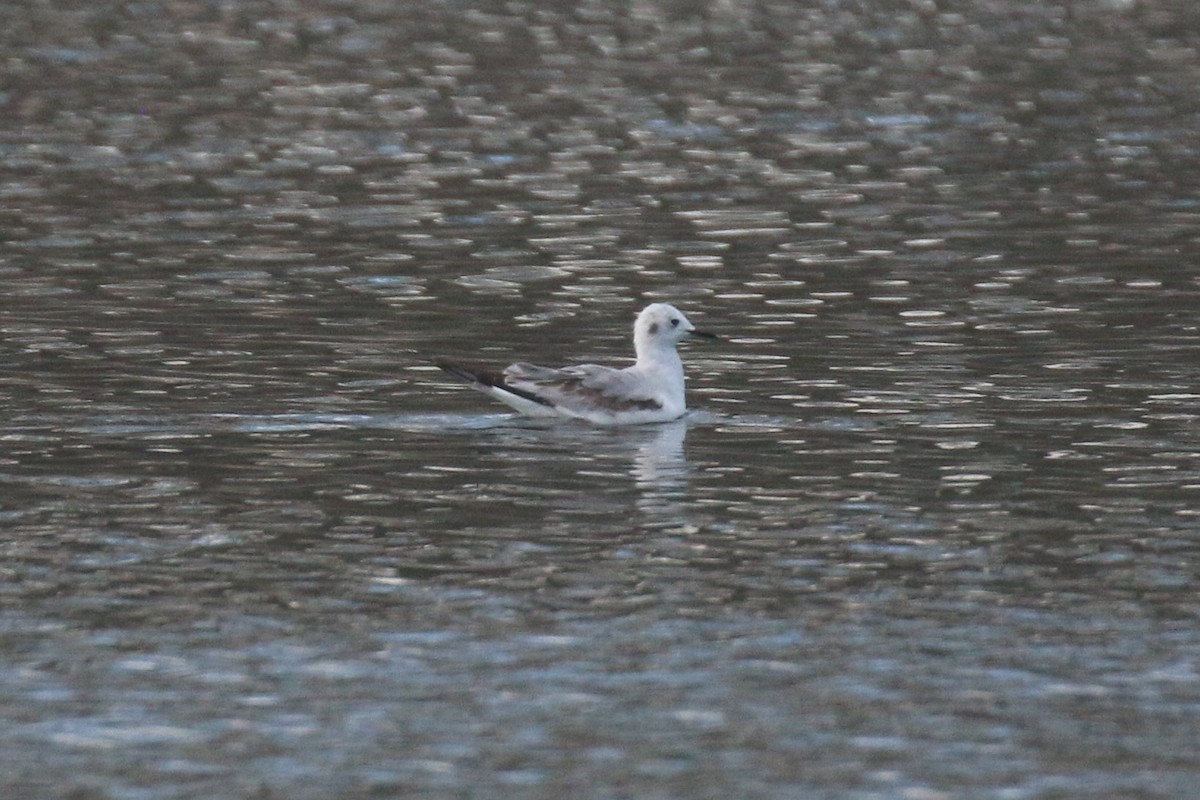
[929, 531]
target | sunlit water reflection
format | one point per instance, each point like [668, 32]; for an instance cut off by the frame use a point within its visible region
[929, 530]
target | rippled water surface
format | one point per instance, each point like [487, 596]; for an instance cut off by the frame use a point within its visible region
[929, 531]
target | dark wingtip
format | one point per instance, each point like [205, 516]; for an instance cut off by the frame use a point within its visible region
[465, 373]
[488, 378]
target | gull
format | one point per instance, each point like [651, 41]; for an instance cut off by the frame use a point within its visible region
[651, 390]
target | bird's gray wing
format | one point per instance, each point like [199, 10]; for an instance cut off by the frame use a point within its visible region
[583, 387]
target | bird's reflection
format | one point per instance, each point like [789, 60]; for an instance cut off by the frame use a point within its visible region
[660, 472]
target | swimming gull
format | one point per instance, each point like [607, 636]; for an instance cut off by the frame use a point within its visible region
[651, 390]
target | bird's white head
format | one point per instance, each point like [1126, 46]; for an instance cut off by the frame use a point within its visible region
[661, 326]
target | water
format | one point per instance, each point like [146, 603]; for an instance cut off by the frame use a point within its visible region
[930, 530]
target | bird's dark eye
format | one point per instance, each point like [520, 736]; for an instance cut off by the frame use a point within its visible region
[675, 323]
